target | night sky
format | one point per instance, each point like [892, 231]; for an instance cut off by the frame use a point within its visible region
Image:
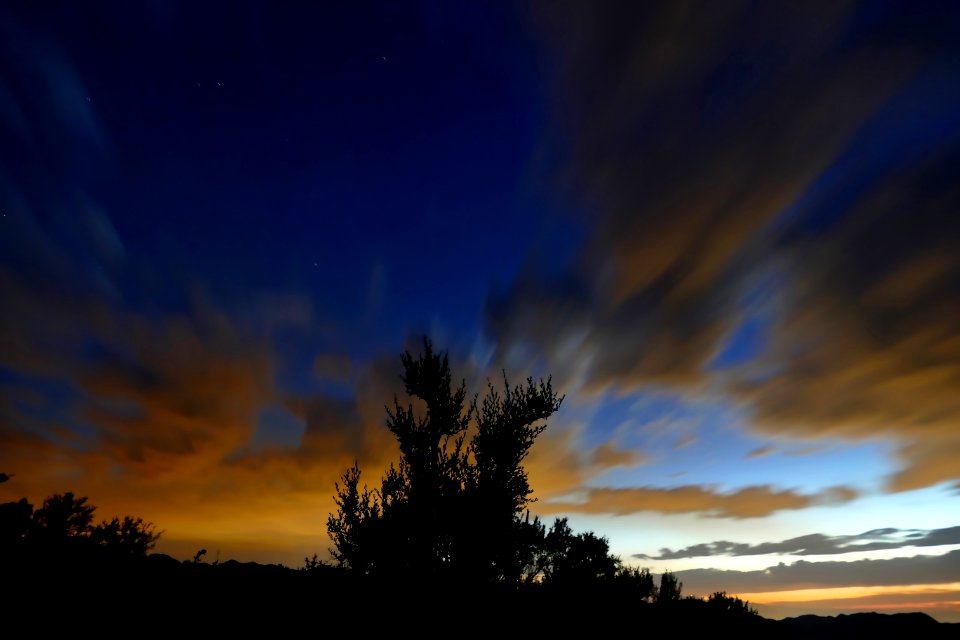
[730, 231]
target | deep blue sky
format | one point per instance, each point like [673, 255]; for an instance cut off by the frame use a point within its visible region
[381, 160]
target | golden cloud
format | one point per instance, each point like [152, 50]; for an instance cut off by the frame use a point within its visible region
[748, 502]
[607, 456]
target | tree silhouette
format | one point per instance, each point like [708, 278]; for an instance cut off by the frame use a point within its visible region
[419, 497]
[65, 523]
[731, 606]
[507, 426]
[670, 588]
[451, 506]
[62, 517]
[638, 582]
[15, 521]
[130, 536]
[575, 559]
[352, 527]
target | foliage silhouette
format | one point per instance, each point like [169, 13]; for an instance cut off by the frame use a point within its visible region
[313, 563]
[61, 517]
[720, 601]
[65, 523]
[130, 535]
[638, 583]
[670, 588]
[15, 521]
[569, 558]
[352, 527]
[451, 506]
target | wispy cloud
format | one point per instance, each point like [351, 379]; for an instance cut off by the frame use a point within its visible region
[607, 456]
[818, 544]
[760, 452]
[748, 502]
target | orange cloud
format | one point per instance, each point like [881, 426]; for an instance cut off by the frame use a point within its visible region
[749, 502]
[177, 392]
[607, 456]
[554, 465]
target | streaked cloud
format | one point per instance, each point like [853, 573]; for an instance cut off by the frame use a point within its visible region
[921, 569]
[607, 456]
[760, 452]
[817, 544]
[815, 193]
[747, 502]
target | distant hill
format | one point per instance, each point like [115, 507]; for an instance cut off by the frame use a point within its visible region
[159, 595]
[906, 626]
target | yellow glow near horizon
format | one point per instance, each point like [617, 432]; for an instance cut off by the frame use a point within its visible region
[845, 593]
[934, 604]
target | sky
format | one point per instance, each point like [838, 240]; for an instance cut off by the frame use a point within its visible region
[729, 231]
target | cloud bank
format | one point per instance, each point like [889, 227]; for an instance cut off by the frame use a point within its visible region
[809, 575]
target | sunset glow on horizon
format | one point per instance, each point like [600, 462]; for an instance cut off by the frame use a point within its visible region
[847, 593]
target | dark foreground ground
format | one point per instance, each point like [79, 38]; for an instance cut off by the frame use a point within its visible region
[158, 596]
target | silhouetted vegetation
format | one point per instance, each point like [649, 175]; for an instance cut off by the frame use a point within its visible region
[670, 588]
[64, 523]
[566, 558]
[452, 506]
